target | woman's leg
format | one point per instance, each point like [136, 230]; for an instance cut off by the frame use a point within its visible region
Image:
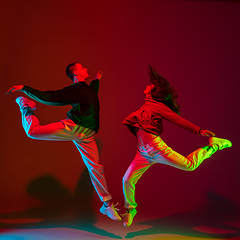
[138, 166]
[164, 154]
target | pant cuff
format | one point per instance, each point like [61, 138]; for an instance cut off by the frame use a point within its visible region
[104, 199]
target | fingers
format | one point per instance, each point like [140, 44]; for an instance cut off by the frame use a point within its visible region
[213, 134]
[15, 88]
[207, 133]
[10, 90]
[210, 134]
[99, 75]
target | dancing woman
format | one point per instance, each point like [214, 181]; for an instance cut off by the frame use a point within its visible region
[146, 124]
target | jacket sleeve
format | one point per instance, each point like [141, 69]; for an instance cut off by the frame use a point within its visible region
[167, 114]
[95, 85]
[53, 98]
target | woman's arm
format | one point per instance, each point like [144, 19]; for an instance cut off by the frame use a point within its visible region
[167, 114]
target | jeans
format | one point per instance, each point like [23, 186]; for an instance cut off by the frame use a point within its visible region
[157, 151]
[83, 138]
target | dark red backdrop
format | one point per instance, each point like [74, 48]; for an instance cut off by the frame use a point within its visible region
[194, 44]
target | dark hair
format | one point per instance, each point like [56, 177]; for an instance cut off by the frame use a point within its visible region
[163, 91]
[69, 70]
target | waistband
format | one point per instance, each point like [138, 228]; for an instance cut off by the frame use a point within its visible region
[150, 144]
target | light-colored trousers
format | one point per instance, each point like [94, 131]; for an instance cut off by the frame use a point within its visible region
[157, 151]
[67, 130]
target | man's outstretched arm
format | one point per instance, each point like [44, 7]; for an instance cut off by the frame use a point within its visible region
[14, 89]
[52, 98]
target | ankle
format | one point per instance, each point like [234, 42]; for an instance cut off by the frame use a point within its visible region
[128, 210]
[107, 203]
[208, 148]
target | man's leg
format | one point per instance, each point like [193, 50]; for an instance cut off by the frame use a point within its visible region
[67, 130]
[54, 131]
[138, 166]
[89, 152]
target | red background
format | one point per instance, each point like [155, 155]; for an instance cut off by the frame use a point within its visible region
[194, 44]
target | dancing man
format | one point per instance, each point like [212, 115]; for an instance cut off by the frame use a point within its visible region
[80, 126]
[146, 124]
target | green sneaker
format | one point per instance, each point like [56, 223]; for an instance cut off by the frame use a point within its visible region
[129, 215]
[220, 143]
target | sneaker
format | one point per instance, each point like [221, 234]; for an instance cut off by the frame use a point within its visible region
[129, 215]
[220, 142]
[111, 212]
[24, 102]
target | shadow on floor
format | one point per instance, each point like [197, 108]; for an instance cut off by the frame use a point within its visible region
[60, 208]
[210, 221]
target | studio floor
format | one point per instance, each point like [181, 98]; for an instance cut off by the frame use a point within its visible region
[71, 223]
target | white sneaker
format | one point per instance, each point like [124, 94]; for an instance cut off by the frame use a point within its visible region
[24, 102]
[220, 142]
[111, 212]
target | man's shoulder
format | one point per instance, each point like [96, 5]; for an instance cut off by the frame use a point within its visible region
[79, 84]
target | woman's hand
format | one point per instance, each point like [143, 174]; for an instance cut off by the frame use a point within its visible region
[14, 89]
[206, 133]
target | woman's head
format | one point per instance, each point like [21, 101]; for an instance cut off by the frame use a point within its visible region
[148, 90]
[161, 90]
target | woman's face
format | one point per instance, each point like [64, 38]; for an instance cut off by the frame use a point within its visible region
[147, 90]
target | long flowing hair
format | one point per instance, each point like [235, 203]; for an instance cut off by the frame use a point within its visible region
[163, 91]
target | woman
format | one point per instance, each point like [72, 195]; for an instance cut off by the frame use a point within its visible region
[146, 124]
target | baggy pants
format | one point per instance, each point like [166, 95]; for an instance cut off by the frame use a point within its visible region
[67, 130]
[157, 151]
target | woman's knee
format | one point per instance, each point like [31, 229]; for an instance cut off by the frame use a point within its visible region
[191, 167]
[126, 180]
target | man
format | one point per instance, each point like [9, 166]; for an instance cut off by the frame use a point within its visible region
[80, 126]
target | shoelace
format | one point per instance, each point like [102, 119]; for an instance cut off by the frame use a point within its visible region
[114, 205]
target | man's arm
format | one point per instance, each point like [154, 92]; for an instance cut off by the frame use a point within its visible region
[53, 98]
[95, 83]
[14, 89]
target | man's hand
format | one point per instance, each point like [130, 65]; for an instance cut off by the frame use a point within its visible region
[14, 89]
[98, 75]
[207, 133]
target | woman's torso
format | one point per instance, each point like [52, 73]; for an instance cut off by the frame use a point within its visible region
[144, 137]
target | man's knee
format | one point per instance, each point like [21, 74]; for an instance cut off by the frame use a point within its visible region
[32, 133]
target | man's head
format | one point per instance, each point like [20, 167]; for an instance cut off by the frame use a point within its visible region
[76, 70]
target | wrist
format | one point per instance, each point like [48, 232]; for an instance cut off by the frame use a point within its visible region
[22, 89]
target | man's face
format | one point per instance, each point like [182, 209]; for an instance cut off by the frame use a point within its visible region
[81, 71]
